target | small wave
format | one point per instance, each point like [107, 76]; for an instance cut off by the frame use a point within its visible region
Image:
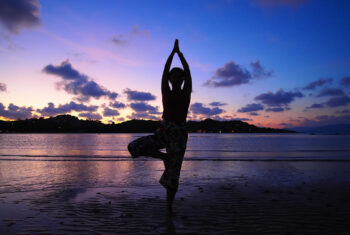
[128, 158]
[285, 151]
[61, 156]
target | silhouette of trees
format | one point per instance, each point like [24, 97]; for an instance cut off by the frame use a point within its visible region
[71, 124]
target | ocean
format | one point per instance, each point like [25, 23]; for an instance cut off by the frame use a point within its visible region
[200, 147]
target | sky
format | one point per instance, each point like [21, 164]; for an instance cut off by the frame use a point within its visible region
[272, 63]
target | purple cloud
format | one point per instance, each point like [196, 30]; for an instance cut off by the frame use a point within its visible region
[251, 108]
[217, 104]
[118, 40]
[107, 112]
[143, 107]
[259, 71]
[345, 111]
[325, 120]
[279, 98]
[77, 83]
[51, 110]
[330, 92]
[232, 74]
[199, 108]
[345, 81]
[138, 95]
[142, 115]
[242, 119]
[3, 87]
[315, 84]
[15, 112]
[338, 101]
[315, 106]
[117, 105]
[275, 109]
[91, 116]
[19, 14]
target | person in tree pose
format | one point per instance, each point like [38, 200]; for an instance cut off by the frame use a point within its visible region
[172, 133]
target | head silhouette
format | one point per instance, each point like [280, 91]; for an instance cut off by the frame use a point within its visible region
[176, 78]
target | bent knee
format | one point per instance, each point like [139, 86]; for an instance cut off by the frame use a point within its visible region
[133, 150]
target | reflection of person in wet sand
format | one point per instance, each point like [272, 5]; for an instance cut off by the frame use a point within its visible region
[172, 133]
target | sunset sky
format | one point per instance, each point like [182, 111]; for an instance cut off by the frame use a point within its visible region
[274, 63]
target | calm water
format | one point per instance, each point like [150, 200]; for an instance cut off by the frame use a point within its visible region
[199, 147]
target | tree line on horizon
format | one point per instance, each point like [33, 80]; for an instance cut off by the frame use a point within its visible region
[71, 124]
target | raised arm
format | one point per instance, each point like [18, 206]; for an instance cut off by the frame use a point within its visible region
[188, 79]
[165, 77]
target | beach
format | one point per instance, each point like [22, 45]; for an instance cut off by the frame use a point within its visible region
[118, 197]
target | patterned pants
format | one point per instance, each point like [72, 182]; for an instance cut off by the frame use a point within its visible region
[172, 137]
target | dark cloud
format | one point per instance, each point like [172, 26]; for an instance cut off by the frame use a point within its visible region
[243, 119]
[232, 74]
[275, 109]
[217, 104]
[315, 106]
[199, 108]
[107, 112]
[285, 124]
[325, 120]
[258, 71]
[138, 95]
[92, 116]
[77, 83]
[65, 71]
[345, 81]
[277, 3]
[142, 115]
[118, 40]
[345, 111]
[279, 98]
[143, 107]
[3, 87]
[144, 111]
[51, 110]
[250, 108]
[15, 112]
[253, 114]
[19, 14]
[317, 83]
[338, 101]
[330, 92]
[117, 105]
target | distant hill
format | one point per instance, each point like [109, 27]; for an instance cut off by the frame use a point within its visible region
[328, 129]
[71, 124]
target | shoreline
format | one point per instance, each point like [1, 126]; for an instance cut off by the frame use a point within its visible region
[214, 197]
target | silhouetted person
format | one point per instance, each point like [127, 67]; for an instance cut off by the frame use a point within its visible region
[172, 133]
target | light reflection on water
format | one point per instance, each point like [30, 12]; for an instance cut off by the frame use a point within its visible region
[199, 146]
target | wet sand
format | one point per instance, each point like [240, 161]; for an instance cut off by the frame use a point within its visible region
[118, 197]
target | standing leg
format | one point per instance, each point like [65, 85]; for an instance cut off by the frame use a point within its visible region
[171, 175]
[176, 140]
[170, 195]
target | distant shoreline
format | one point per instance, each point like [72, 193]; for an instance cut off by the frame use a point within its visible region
[71, 124]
